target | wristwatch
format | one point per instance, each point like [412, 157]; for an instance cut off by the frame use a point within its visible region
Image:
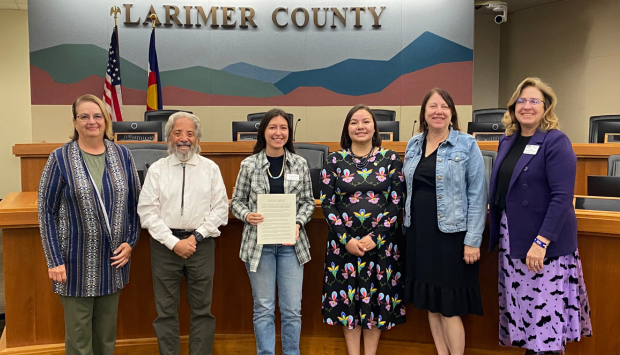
[198, 236]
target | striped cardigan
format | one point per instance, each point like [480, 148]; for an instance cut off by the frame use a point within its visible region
[72, 224]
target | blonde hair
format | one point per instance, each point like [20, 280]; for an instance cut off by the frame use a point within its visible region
[109, 134]
[548, 121]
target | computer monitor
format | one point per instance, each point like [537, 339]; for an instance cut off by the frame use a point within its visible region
[488, 115]
[387, 127]
[603, 185]
[597, 204]
[139, 127]
[602, 125]
[485, 131]
[384, 115]
[160, 115]
[240, 130]
[257, 117]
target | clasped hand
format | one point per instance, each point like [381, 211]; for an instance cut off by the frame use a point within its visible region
[185, 247]
[360, 247]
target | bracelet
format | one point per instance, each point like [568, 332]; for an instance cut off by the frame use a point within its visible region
[540, 243]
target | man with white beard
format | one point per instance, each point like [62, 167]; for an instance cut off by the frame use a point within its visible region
[182, 204]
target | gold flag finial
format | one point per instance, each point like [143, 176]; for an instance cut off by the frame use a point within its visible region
[115, 10]
[153, 19]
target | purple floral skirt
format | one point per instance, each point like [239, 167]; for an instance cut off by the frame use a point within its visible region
[541, 312]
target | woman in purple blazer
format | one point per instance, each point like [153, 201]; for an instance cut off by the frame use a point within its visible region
[542, 295]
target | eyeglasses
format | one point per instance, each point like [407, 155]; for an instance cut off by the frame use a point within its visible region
[85, 117]
[531, 101]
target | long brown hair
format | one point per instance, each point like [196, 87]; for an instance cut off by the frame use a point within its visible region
[109, 134]
[261, 143]
[448, 99]
[548, 121]
[345, 138]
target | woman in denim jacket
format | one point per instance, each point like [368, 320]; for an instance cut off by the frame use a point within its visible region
[445, 214]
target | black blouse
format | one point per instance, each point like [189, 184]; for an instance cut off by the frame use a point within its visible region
[276, 186]
[427, 168]
[504, 174]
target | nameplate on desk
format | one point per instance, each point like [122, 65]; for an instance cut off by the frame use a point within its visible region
[487, 136]
[136, 137]
[246, 136]
[612, 137]
[387, 136]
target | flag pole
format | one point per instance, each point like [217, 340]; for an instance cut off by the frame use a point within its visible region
[115, 10]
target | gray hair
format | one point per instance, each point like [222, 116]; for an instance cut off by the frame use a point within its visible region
[177, 115]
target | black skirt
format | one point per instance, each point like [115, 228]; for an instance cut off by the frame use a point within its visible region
[438, 279]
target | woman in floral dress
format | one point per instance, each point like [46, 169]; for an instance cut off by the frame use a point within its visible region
[361, 196]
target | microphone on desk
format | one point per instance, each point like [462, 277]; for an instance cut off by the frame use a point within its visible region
[295, 130]
[413, 129]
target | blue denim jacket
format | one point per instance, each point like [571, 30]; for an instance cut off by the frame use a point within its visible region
[461, 186]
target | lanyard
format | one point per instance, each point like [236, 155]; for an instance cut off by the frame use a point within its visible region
[107, 219]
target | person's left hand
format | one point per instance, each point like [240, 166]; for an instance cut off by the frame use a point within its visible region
[366, 243]
[536, 256]
[296, 236]
[471, 254]
[123, 252]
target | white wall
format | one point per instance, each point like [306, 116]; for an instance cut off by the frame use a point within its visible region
[574, 45]
[486, 62]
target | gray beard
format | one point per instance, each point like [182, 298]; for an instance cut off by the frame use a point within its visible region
[184, 155]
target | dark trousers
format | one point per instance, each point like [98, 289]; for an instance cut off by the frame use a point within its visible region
[168, 270]
[90, 324]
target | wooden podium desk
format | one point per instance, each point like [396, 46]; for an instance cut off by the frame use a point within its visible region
[34, 317]
[591, 159]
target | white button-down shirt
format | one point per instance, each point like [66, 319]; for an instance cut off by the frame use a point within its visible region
[203, 196]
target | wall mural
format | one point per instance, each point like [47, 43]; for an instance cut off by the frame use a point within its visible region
[341, 64]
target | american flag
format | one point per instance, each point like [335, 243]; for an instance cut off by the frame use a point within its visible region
[112, 95]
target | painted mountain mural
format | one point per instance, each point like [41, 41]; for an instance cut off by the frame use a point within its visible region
[59, 74]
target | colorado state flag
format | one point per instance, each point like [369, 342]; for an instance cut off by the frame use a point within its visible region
[153, 93]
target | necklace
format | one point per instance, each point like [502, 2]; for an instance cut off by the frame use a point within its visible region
[361, 162]
[281, 171]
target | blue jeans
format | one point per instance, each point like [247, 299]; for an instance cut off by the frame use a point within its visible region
[278, 264]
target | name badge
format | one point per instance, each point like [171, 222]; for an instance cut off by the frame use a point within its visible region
[531, 149]
[293, 177]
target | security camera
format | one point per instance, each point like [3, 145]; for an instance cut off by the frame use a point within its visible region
[499, 7]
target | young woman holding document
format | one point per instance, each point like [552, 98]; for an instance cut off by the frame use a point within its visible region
[361, 196]
[274, 168]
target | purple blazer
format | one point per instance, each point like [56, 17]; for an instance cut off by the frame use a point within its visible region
[540, 195]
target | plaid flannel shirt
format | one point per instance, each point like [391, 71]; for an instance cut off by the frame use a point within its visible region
[253, 180]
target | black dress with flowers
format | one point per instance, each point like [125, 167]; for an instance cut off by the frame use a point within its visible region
[365, 290]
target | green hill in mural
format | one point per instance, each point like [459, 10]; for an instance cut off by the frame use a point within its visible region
[71, 63]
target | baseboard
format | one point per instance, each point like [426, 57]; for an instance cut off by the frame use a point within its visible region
[236, 344]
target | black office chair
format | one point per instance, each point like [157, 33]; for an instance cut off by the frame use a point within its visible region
[315, 155]
[384, 115]
[145, 154]
[488, 115]
[613, 165]
[160, 115]
[600, 125]
[257, 117]
[488, 156]
[597, 204]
